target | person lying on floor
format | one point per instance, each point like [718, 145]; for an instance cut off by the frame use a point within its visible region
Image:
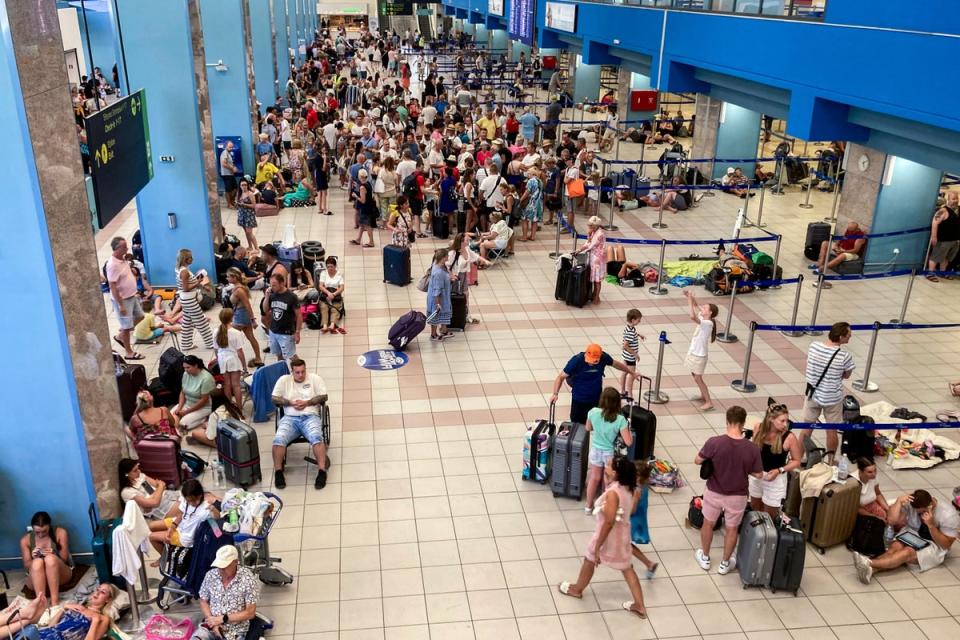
[83, 621]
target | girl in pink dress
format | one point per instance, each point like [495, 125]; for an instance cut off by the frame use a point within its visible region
[596, 247]
[611, 544]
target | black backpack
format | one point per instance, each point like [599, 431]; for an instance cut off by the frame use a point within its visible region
[410, 187]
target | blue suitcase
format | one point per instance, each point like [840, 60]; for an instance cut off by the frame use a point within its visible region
[396, 265]
[103, 547]
[406, 329]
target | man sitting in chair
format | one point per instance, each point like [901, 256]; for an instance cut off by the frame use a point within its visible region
[228, 598]
[302, 396]
[842, 250]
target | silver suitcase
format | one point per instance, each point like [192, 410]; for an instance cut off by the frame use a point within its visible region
[756, 549]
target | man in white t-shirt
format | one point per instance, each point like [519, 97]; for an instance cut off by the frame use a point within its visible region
[330, 132]
[435, 159]
[302, 396]
[490, 187]
[406, 166]
[428, 115]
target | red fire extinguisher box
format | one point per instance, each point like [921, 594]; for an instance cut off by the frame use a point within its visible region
[549, 62]
[645, 100]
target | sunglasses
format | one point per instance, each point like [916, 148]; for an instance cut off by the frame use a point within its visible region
[774, 408]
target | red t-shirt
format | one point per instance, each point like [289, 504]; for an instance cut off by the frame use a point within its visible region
[312, 119]
[513, 125]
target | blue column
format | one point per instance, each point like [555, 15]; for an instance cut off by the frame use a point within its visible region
[164, 42]
[518, 48]
[908, 194]
[293, 21]
[737, 137]
[499, 41]
[32, 282]
[262, 53]
[480, 34]
[586, 82]
[102, 47]
[283, 47]
[223, 39]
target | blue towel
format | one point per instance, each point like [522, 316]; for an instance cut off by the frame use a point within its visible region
[261, 389]
[639, 532]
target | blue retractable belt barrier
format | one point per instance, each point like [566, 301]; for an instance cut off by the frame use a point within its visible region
[581, 236]
[843, 426]
[885, 234]
[855, 327]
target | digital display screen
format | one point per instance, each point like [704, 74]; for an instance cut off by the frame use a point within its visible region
[520, 25]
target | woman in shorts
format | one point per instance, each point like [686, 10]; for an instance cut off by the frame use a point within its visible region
[780, 453]
[606, 422]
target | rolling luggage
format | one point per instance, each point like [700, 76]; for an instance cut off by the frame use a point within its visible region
[570, 451]
[565, 264]
[170, 370]
[441, 226]
[537, 449]
[406, 329]
[789, 558]
[817, 234]
[791, 504]
[458, 321]
[829, 518]
[695, 514]
[643, 424]
[578, 286]
[756, 549]
[239, 452]
[103, 547]
[160, 458]
[131, 378]
[396, 265]
[867, 536]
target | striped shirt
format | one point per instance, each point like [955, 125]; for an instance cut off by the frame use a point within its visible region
[631, 340]
[830, 390]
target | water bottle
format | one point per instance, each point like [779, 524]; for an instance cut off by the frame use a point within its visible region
[843, 468]
[888, 535]
[220, 474]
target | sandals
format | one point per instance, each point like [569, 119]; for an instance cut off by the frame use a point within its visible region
[950, 417]
[340, 330]
[564, 588]
[356, 242]
[368, 246]
[933, 278]
[134, 356]
[628, 606]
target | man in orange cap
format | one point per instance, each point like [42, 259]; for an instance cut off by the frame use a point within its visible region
[584, 373]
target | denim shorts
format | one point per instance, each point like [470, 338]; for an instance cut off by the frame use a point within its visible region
[599, 458]
[282, 345]
[292, 427]
[129, 312]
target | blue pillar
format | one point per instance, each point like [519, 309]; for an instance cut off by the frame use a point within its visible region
[518, 48]
[102, 47]
[737, 137]
[262, 53]
[908, 193]
[293, 22]
[499, 41]
[586, 82]
[480, 34]
[283, 48]
[165, 42]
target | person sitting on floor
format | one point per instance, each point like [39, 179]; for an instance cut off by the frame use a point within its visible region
[86, 621]
[841, 250]
[149, 329]
[46, 556]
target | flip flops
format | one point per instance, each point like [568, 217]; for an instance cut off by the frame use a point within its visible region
[628, 606]
[564, 588]
[134, 356]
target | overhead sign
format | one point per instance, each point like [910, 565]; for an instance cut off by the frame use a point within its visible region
[118, 137]
[521, 21]
[396, 7]
[562, 17]
[495, 7]
[383, 360]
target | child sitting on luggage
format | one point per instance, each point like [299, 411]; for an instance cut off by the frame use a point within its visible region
[605, 422]
[149, 329]
[191, 509]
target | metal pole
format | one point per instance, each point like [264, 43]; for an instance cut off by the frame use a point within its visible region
[796, 309]
[727, 336]
[836, 200]
[864, 384]
[743, 385]
[906, 298]
[806, 202]
[616, 132]
[709, 193]
[660, 224]
[759, 223]
[660, 290]
[611, 226]
[780, 168]
[556, 251]
[816, 307]
[746, 209]
[654, 396]
[776, 261]
[643, 150]
[573, 232]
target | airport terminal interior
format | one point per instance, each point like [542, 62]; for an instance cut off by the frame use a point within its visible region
[481, 319]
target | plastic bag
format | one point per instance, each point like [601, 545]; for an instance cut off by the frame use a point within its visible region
[289, 239]
[160, 627]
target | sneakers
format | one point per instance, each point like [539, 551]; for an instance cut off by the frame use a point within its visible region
[813, 266]
[321, 480]
[588, 511]
[864, 568]
[702, 560]
[726, 566]
[279, 481]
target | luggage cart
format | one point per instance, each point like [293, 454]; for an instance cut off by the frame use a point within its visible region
[255, 549]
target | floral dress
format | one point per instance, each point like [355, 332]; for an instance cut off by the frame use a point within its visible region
[246, 215]
[596, 246]
[400, 236]
[534, 209]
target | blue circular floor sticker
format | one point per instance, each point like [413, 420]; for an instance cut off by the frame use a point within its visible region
[383, 360]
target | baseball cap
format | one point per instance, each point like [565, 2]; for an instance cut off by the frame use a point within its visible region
[225, 555]
[729, 171]
[592, 353]
[269, 249]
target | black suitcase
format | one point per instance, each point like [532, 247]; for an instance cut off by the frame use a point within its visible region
[131, 379]
[643, 424]
[563, 277]
[441, 226]
[458, 321]
[867, 536]
[170, 370]
[817, 234]
[578, 286]
[239, 452]
[102, 546]
[396, 265]
[406, 329]
[789, 558]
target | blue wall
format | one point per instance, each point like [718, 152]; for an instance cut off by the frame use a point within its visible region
[737, 137]
[262, 53]
[223, 39]
[586, 84]
[283, 48]
[103, 41]
[937, 16]
[26, 466]
[906, 203]
[499, 41]
[163, 42]
[293, 19]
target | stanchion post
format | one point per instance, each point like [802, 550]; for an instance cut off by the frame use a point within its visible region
[906, 298]
[660, 290]
[796, 309]
[780, 169]
[776, 260]
[556, 251]
[760, 223]
[727, 336]
[643, 166]
[864, 385]
[816, 307]
[836, 199]
[743, 385]
[573, 233]
[616, 151]
[710, 193]
[660, 224]
[610, 226]
[654, 395]
[806, 201]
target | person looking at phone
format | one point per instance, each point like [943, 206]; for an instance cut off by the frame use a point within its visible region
[46, 556]
[228, 598]
[924, 540]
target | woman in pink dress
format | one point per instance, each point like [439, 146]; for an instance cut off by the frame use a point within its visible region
[596, 247]
[611, 544]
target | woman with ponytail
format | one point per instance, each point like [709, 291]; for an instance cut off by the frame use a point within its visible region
[705, 317]
[229, 343]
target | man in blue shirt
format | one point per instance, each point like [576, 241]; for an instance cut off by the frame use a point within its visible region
[584, 373]
[528, 124]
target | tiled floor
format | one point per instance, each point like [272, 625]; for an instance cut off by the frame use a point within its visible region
[426, 530]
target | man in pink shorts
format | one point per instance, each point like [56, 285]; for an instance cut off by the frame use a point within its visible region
[733, 458]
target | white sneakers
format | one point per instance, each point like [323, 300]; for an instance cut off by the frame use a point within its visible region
[726, 566]
[864, 568]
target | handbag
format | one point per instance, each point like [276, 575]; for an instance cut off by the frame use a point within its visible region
[160, 627]
[411, 234]
[706, 469]
[378, 186]
[575, 188]
[812, 388]
[424, 283]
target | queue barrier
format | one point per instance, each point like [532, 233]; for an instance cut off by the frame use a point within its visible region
[871, 426]
[884, 234]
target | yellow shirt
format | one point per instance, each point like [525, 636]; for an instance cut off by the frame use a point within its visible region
[144, 328]
[490, 126]
[266, 171]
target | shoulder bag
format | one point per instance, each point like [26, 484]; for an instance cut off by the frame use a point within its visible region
[812, 388]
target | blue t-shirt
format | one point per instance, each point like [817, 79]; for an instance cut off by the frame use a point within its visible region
[586, 380]
[528, 123]
[604, 433]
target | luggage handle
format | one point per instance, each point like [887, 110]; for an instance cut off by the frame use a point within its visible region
[632, 401]
[92, 513]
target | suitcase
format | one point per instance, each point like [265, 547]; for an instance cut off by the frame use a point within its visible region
[239, 452]
[162, 396]
[817, 234]
[405, 329]
[643, 424]
[160, 458]
[789, 558]
[791, 504]
[441, 226]
[103, 547]
[396, 265]
[570, 451]
[537, 449]
[756, 549]
[131, 378]
[867, 536]
[829, 518]
[563, 277]
[170, 370]
[578, 286]
[458, 321]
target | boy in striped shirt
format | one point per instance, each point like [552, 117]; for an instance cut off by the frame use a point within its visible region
[631, 345]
